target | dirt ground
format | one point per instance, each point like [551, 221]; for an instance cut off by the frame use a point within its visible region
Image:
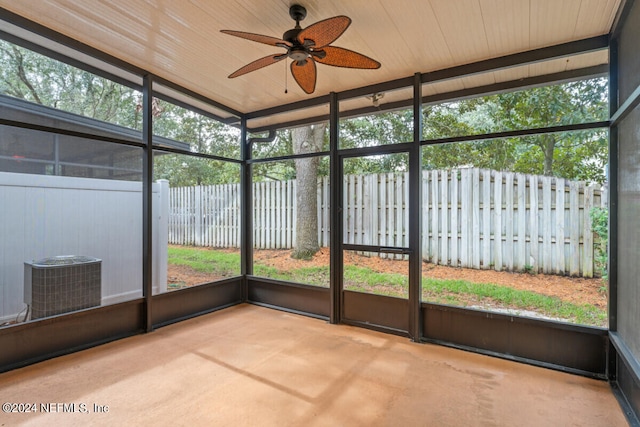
[570, 289]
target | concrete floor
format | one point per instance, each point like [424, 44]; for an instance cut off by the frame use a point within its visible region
[248, 365]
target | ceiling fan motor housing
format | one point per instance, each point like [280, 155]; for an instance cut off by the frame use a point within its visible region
[291, 36]
[298, 52]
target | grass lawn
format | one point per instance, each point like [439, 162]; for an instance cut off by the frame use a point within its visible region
[454, 292]
[205, 260]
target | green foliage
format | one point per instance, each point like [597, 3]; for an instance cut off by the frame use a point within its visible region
[316, 276]
[203, 134]
[285, 170]
[181, 170]
[573, 155]
[36, 78]
[377, 129]
[458, 118]
[281, 146]
[600, 226]
[579, 155]
[497, 154]
[356, 277]
[397, 162]
[373, 130]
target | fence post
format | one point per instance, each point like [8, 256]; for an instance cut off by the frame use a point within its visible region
[318, 210]
[371, 202]
[290, 213]
[546, 224]
[171, 229]
[509, 223]
[325, 211]
[359, 206]
[188, 217]
[486, 219]
[426, 255]
[400, 202]
[212, 218]
[160, 249]
[465, 217]
[475, 218]
[435, 213]
[197, 215]
[497, 221]
[522, 223]
[391, 217]
[574, 231]
[294, 213]
[444, 208]
[588, 233]
[281, 209]
[228, 210]
[269, 217]
[261, 207]
[346, 212]
[236, 208]
[453, 201]
[382, 197]
[559, 267]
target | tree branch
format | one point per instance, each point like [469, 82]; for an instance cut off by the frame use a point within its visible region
[23, 76]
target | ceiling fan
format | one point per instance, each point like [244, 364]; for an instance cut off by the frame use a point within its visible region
[306, 46]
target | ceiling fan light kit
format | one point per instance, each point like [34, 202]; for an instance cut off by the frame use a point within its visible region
[305, 47]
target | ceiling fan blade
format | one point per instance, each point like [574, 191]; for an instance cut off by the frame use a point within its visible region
[305, 75]
[273, 41]
[257, 64]
[339, 57]
[325, 32]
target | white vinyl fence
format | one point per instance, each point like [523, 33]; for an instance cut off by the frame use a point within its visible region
[45, 216]
[207, 215]
[470, 218]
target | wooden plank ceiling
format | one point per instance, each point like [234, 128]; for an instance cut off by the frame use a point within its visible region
[180, 40]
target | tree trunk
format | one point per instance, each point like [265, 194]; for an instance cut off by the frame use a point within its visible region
[548, 148]
[307, 140]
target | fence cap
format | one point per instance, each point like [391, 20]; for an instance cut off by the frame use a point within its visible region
[64, 260]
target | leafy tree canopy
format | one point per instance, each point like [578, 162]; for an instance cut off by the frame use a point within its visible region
[575, 155]
[578, 155]
[36, 78]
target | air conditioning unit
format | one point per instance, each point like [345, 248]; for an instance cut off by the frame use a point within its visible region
[62, 284]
